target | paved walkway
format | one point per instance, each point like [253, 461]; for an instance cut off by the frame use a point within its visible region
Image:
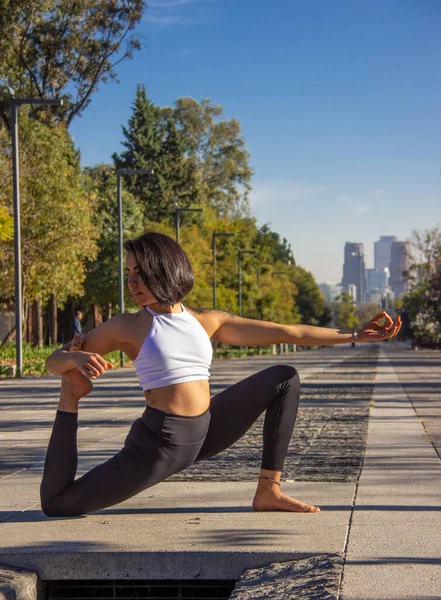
[380, 516]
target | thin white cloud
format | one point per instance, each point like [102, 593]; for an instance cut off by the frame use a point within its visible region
[171, 20]
[360, 203]
[163, 21]
[359, 209]
[283, 192]
[184, 53]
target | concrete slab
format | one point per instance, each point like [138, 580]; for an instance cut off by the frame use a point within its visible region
[394, 545]
[189, 523]
[174, 530]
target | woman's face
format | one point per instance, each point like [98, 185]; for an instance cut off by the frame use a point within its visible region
[137, 287]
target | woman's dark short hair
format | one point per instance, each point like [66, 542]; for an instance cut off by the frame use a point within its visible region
[163, 265]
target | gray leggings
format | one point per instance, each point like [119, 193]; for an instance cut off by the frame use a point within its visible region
[160, 444]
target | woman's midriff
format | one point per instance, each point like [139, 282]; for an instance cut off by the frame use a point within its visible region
[189, 399]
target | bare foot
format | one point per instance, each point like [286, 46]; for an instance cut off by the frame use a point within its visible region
[267, 498]
[75, 385]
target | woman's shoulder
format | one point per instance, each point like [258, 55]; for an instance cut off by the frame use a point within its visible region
[126, 321]
[207, 317]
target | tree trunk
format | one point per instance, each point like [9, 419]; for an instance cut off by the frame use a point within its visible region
[10, 336]
[97, 317]
[109, 311]
[37, 333]
[28, 321]
[53, 321]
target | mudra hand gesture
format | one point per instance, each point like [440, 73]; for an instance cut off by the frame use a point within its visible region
[374, 332]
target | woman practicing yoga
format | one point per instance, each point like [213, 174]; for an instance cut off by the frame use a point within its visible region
[171, 350]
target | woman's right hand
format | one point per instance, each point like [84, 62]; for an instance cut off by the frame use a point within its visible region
[91, 364]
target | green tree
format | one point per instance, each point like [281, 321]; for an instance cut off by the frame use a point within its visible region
[6, 225]
[153, 142]
[366, 311]
[421, 305]
[309, 299]
[220, 155]
[345, 312]
[64, 49]
[101, 285]
[56, 215]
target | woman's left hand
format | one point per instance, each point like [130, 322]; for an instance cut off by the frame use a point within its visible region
[373, 332]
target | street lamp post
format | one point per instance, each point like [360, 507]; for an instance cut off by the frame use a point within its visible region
[214, 261]
[178, 219]
[120, 172]
[15, 103]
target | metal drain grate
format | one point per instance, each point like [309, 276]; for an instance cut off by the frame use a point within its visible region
[141, 589]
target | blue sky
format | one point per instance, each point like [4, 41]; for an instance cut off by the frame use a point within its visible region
[339, 103]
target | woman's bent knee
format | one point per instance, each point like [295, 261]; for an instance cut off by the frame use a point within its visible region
[283, 372]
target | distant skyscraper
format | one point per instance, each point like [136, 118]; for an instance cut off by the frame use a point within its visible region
[377, 279]
[382, 251]
[352, 291]
[400, 261]
[354, 270]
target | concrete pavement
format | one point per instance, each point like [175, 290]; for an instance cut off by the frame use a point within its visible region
[383, 521]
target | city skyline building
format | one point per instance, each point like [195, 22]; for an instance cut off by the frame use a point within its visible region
[352, 291]
[382, 251]
[354, 269]
[377, 279]
[400, 262]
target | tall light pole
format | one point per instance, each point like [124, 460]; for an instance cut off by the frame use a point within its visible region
[120, 172]
[178, 219]
[15, 103]
[215, 235]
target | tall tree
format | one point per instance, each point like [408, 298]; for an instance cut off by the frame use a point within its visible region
[345, 312]
[101, 285]
[309, 298]
[56, 214]
[220, 154]
[64, 49]
[152, 141]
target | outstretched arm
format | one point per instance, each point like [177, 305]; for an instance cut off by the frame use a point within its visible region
[249, 332]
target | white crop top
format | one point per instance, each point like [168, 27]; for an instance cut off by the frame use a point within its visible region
[177, 349]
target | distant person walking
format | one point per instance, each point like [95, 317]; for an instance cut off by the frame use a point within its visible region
[77, 322]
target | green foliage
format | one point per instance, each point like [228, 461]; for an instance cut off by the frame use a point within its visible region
[195, 159]
[423, 307]
[34, 358]
[366, 311]
[102, 277]
[220, 155]
[6, 225]
[64, 49]
[422, 304]
[309, 298]
[56, 227]
[345, 312]
[153, 142]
